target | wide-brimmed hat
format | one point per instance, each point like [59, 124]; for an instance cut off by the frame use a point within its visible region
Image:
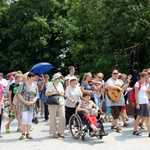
[57, 75]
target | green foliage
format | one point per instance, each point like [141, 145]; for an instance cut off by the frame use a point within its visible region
[35, 34]
[93, 35]
[109, 34]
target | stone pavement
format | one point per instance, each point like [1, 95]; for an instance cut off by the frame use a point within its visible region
[43, 141]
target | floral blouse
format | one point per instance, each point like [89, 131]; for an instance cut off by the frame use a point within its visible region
[28, 93]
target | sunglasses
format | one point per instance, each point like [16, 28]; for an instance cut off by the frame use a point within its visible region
[115, 73]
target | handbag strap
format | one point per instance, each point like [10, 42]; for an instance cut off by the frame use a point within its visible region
[55, 86]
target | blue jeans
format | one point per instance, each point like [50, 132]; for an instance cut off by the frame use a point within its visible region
[97, 100]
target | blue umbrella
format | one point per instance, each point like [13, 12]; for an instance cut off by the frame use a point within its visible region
[41, 68]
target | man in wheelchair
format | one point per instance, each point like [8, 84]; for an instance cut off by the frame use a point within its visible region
[90, 111]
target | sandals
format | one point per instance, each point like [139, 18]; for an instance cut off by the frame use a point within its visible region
[61, 135]
[118, 129]
[7, 128]
[55, 135]
[19, 130]
[141, 126]
[127, 119]
[125, 124]
[22, 136]
[28, 136]
[113, 127]
[137, 133]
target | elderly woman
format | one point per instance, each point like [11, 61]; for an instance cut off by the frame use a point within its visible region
[73, 94]
[27, 94]
[56, 110]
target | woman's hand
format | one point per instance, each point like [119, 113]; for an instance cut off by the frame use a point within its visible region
[137, 106]
[31, 102]
[73, 101]
[10, 107]
[86, 112]
[96, 112]
[27, 103]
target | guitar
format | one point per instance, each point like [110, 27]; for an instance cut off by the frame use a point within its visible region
[115, 94]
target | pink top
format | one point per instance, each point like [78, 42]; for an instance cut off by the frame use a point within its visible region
[87, 105]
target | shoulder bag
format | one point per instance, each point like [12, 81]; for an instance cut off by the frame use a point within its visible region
[53, 99]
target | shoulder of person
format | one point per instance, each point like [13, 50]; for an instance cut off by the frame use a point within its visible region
[77, 87]
[137, 84]
[3, 79]
[12, 84]
[83, 83]
[50, 83]
[110, 80]
[91, 102]
[68, 87]
[36, 86]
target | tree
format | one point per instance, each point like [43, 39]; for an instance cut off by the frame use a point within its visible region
[107, 34]
[93, 35]
[4, 58]
[35, 33]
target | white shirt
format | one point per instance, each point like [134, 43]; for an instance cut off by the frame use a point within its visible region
[4, 82]
[142, 97]
[51, 88]
[73, 93]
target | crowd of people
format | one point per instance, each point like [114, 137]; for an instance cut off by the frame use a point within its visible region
[25, 95]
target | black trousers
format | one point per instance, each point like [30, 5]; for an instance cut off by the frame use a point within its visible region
[46, 112]
[1, 119]
[69, 112]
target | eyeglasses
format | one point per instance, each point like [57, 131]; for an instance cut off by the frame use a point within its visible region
[100, 77]
[115, 73]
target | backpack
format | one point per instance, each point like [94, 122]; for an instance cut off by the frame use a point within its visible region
[132, 93]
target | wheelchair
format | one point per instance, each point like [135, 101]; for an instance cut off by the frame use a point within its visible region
[79, 127]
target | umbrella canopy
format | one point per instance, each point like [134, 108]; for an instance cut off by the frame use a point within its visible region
[41, 68]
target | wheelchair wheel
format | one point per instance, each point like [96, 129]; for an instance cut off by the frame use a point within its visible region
[75, 126]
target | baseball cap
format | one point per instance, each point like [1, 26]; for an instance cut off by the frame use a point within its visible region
[72, 78]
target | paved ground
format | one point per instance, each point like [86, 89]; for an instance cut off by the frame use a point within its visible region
[43, 141]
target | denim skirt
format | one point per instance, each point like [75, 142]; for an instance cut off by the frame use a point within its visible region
[144, 110]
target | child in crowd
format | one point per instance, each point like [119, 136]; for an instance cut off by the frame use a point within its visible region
[87, 105]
